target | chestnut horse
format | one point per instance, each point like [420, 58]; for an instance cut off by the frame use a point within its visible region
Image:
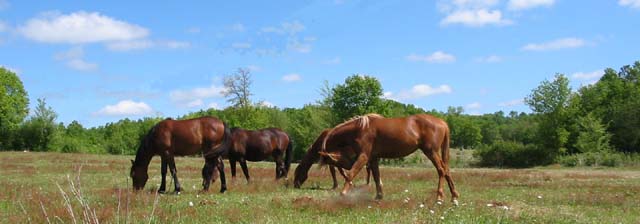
[169, 138]
[312, 156]
[258, 145]
[363, 140]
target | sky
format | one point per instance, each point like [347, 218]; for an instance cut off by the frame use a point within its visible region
[101, 61]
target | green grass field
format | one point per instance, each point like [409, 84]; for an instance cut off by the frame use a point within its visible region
[69, 188]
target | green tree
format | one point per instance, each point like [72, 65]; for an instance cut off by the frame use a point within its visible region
[465, 133]
[593, 136]
[615, 98]
[549, 101]
[39, 129]
[360, 94]
[13, 107]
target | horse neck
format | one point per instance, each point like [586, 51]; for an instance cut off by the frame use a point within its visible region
[143, 156]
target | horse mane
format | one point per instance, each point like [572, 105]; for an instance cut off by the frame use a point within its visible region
[144, 146]
[363, 122]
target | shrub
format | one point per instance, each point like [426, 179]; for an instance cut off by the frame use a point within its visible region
[510, 154]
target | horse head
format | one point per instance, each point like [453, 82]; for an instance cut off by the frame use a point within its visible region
[138, 175]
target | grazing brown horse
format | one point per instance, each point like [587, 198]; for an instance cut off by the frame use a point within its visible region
[312, 156]
[169, 138]
[258, 145]
[365, 139]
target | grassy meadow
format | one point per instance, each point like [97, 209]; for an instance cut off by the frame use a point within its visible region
[81, 188]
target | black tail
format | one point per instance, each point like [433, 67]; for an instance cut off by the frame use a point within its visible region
[288, 157]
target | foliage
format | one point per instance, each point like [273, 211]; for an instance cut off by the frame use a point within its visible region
[615, 98]
[593, 136]
[360, 94]
[549, 101]
[465, 133]
[38, 131]
[13, 107]
[510, 154]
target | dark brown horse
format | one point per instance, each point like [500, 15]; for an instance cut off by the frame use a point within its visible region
[206, 135]
[258, 145]
[365, 139]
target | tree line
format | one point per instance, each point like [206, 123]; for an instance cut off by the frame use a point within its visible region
[597, 124]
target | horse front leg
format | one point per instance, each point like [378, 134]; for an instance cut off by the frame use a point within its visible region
[223, 181]
[357, 166]
[207, 174]
[163, 171]
[332, 169]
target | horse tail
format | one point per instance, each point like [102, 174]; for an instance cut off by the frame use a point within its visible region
[288, 157]
[445, 148]
[226, 141]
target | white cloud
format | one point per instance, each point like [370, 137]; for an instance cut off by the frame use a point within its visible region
[80, 27]
[267, 104]
[630, 3]
[562, 43]
[173, 44]
[490, 59]
[333, 61]
[238, 27]
[191, 97]
[213, 105]
[291, 78]
[435, 57]
[241, 45]
[300, 47]
[512, 103]
[144, 44]
[14, 70]
[475, 18]
[290, 28]
[588, 75]
[130, 45]
[528, 4]
[419, 91]
[74, 59]
[125, 108]
[473, 106]
[195, 103]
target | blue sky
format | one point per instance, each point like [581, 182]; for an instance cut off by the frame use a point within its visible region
[103, 61]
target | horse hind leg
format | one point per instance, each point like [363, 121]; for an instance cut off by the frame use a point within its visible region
[245, 169]
[279, 166]
[174, 174]
[437, 162]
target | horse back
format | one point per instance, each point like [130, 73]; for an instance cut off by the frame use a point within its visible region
[188, 137]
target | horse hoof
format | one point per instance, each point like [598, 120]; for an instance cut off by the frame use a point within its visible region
[378, 197]
[439, 202]
[455, 202]
[223, 190]
[162, 192]
[177, 192]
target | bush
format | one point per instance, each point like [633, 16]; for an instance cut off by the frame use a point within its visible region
[604, 158]
[510, 154]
